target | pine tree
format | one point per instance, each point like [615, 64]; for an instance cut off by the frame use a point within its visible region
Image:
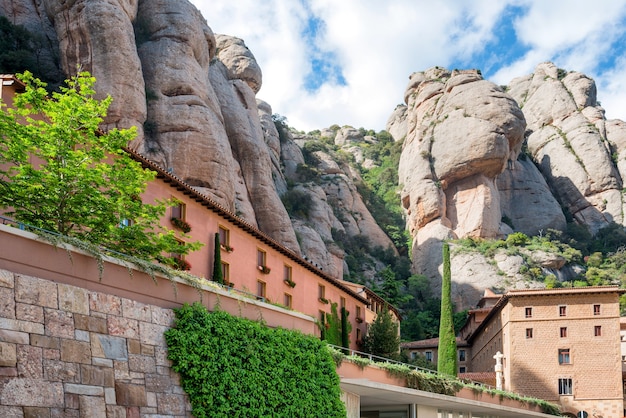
[218, 275]
[382, 338]
[446, 361]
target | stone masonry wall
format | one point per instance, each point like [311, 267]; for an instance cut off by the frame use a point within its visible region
[67, 352]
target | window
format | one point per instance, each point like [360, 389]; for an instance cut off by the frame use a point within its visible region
[261, 288]
[321, 292]
[529, 332]
[528, 312]
[565, 386]
[260, 258]
[564, 357]
[125, 223]
[358, 312]
[287, 300]
[428, 355]
[287, 273]
[562, 310]
[226, 272]
[179, 210]
[224, 237]
[563, 332]
[462, 369]
[358, 335]
[342, 302]
[597, 331]
[461, 355]
[596, 309]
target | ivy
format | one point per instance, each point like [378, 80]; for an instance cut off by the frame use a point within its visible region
[231, 366]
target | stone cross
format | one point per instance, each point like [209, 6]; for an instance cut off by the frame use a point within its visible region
[498, 357]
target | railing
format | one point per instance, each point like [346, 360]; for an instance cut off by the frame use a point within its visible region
[379, 359]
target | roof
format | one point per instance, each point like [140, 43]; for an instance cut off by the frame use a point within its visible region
[207, 202]
[369, 292]
[9, 79]
[430, 343]
[541, 292]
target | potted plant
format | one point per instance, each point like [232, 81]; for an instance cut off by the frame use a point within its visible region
[264, 269]
[181, 224]
[227, 248]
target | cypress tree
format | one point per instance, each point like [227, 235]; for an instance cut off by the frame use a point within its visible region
[446, 361]
[218, 276]
[345, 328]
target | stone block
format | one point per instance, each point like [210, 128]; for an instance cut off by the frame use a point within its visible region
[36, 412]
[51, 354]
[108, 304]
[102, 362]
[59, 323]
[64, 413]
[133, 412]
[142, 364]
[7, 302]
[136, 310]
[116, 411]
[89, 323]
[73, 299]
[163, 316]
[152, 401]
[152, 334]
[113, 348]
[11, 411]
[59, 371]
[121, 370]
[109, 396]
[147, 350]
[170, 404]
[71, 401]
[123, 327]
[80, 335]
[8, 372]
[87, 390]
[97, 376]
[92, 407]
[45, 342]
[8, 355]
[158, 383]
[130, 395]
[26, 312]
[134, 346]
[29, 362]
[160, 354]
[7, 278]
[75, 351]
[32, 392]
[21, 326]
[36, 291]
[14, 336]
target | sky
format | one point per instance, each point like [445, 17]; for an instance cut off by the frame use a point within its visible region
[347, 62]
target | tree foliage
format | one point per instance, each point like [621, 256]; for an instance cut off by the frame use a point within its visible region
[446, 360]
[234, 367]
[218, 275]
[59, 172]
[382, 338]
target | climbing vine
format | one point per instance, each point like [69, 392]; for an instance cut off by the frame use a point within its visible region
[230, 367]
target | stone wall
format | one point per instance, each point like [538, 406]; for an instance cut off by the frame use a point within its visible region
[69, 352]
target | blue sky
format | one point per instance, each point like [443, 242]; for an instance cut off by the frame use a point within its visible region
[348, 61]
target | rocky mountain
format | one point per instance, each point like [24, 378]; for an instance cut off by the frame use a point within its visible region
[478, 160]
[191, 94]
[481, 160]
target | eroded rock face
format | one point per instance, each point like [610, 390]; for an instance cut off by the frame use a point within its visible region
[98, 36]
[240, 62]
[463, 131]
[569, 140]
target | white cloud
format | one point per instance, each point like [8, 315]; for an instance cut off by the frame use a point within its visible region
[379, 44]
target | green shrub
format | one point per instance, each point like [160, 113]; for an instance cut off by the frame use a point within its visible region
[231, 367]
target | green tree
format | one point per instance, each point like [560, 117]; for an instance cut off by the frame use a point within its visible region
[333, 326]
[346, 328]
[218, 275]
[61, 173]
[446, 360]
[382, 338]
